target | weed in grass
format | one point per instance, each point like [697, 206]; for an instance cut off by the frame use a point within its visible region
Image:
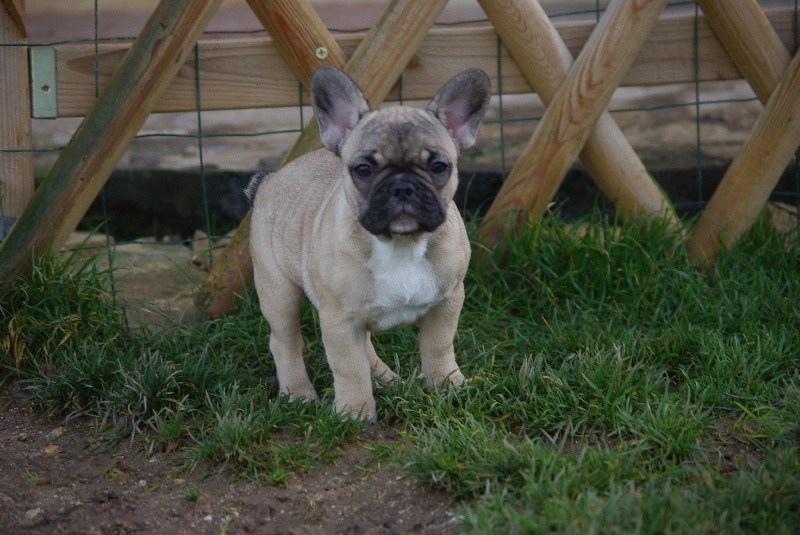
[166, 429]
[670, 432]
[72, 383]
[192, 493]
[63, 306]
[149, 387]
[30, 478]
[241, 434]
[229, 517]
[467, 457]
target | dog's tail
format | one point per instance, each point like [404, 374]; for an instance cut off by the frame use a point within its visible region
[252, 187]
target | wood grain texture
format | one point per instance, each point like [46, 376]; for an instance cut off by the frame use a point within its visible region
[86, 162]
[16, 168]
[545, 60]
[15, 11]
[571, 116]
[298, 32]
[251, 72]
[754, 172]
[751, 42]
[388, 47]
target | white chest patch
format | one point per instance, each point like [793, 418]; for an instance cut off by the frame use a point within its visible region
[405, 287]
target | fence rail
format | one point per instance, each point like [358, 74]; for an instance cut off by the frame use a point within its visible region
[251, 72]
[164, 71]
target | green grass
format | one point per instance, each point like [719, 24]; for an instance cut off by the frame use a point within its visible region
[614, 387]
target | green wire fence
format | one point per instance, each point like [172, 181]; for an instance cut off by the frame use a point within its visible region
[498, 124]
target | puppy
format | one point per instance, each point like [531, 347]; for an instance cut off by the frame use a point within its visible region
[368, 230]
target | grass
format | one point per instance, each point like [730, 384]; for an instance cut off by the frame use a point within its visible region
[614, 387]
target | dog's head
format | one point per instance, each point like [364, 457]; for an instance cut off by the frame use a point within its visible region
[399, 162]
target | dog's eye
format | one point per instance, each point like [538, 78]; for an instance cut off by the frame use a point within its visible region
[439, 167]
[362, 170]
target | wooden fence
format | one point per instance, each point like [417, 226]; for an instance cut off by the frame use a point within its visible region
[574, 67]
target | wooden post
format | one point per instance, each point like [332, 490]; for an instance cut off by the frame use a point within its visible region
[376, 66]
[758, 52]
[571, 116]
[543, 57]
[380, 59]
[16, 168]
[754, 172]
[751, 42]
[86, 162]
[299, 34]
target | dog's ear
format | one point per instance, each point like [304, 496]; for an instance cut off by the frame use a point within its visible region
[460, 105]
[338, 105]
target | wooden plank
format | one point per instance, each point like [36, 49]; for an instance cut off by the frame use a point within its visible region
[84, 165]
[16, 168]
[544, 59]
[15, 11]
[251, 73]
[754, 172]
[571, 116]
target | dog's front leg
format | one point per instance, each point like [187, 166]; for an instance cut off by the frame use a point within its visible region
[437, 328]
[346, 350]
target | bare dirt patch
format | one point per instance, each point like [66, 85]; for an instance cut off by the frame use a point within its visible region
[64, 478]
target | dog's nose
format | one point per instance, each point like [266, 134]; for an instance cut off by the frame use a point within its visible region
[402, 191]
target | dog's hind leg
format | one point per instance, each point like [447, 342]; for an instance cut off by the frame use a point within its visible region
[280, 303]
[380, 370]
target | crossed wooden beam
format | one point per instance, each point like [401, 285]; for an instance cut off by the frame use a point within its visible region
[575, 124]
[774, 76]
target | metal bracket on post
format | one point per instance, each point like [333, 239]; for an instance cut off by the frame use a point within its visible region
[44, 97]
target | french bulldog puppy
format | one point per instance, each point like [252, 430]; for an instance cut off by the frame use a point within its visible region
[368, 230]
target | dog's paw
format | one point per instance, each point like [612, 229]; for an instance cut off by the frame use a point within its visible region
[305, 393]
[438, 380]
[358, 409]
[381, 372]
[385, 377]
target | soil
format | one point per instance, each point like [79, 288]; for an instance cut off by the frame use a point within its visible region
[62, 477]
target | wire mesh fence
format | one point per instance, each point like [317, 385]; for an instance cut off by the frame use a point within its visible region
[194, 164]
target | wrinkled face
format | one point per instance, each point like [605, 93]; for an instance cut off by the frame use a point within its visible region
[401, 166]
